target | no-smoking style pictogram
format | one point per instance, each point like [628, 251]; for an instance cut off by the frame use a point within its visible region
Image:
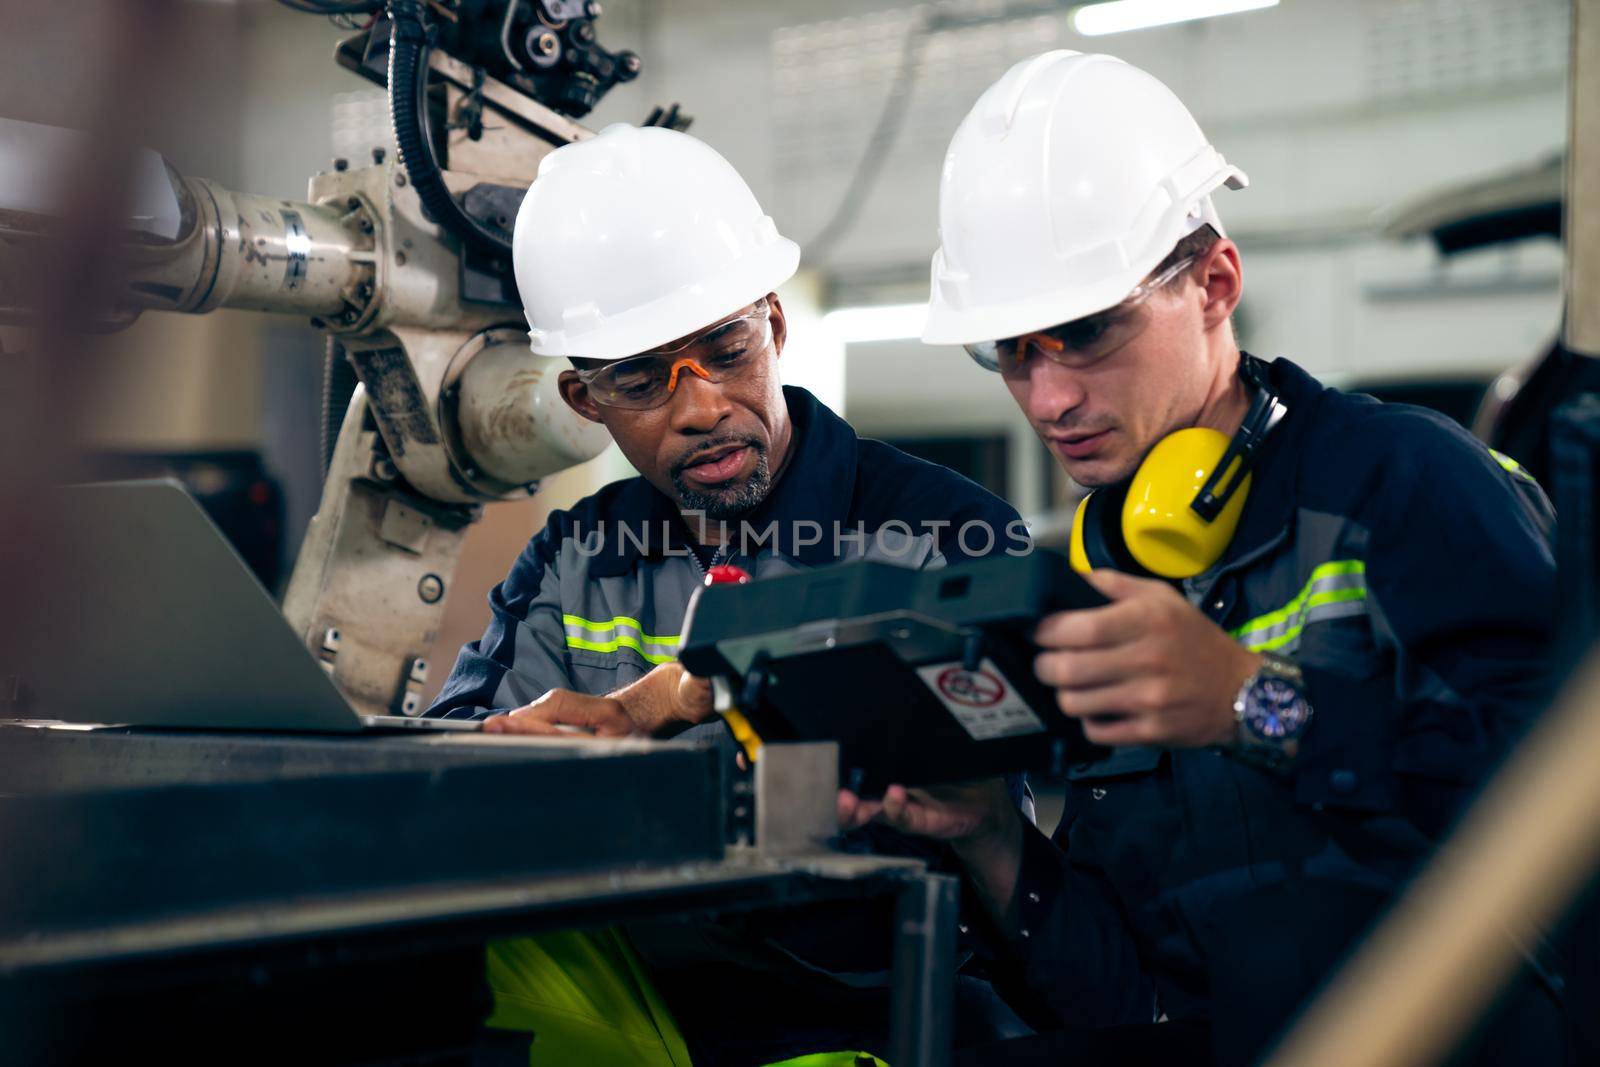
[973, 689]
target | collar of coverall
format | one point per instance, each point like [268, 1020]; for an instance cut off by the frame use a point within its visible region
[817, 486]
[1273, 488]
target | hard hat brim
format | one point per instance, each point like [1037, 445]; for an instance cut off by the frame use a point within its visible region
[950, 326]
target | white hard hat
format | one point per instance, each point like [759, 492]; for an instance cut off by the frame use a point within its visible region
[1072, 177]
[636, 237]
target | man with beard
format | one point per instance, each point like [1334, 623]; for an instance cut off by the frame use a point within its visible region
[645, 261]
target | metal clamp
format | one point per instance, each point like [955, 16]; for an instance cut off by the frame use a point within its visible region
[411, 693]
[329, 650]
[797, 788]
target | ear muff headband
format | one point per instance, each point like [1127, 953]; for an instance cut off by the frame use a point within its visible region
[1227, 477]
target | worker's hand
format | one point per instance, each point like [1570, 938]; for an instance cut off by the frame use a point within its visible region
[578, 712]
[692, 698]
[978, 820]
[959, 814]
[666, 696]
[1146, 669]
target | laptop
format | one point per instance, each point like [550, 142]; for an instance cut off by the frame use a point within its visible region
[156, 621]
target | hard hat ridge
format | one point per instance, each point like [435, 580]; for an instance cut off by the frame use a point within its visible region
[636, 237]
[1072, 177]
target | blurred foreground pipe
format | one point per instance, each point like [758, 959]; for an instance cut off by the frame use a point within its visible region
[1581, 225]
[1526, 848]
[1531, 842]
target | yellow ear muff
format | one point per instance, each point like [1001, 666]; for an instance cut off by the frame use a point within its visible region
[1159, 527]
[1076, 555]
[1097, 539]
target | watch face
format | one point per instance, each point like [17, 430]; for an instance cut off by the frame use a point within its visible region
[1276, 709]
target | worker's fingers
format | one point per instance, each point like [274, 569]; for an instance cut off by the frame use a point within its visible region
[1121, 697]
[1113, 624]
[916, 812]
[912, 815]
[693, 697]
[894, 804]
[601, 716]
[1091, 668]
[507, 724]
[854, 812]
[604, 718]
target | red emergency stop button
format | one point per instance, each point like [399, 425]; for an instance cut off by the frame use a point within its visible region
[726, 574]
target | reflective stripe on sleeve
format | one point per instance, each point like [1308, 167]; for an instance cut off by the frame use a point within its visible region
[619, 633]
[1336, 590]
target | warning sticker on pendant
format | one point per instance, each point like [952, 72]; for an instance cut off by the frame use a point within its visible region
[982, 701]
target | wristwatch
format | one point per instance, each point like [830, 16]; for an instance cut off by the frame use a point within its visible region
[1271, 713]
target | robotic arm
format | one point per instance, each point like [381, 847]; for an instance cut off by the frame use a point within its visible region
[406, 264]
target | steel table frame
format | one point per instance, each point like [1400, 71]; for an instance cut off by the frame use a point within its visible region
[316, 930]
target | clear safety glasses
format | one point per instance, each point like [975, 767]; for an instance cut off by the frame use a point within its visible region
[1082, 341]
[721, 353]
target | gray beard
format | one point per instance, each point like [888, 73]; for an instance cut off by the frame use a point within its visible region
[732, 502]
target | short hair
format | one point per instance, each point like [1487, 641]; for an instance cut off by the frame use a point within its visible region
[1197, 243]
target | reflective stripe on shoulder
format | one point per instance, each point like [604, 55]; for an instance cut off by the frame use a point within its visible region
[1513, 466]
[1336, 590]
[619, 633]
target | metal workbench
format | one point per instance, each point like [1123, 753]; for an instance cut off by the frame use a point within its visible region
[227, 897]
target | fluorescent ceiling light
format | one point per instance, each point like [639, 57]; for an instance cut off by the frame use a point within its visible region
[1119, 16]
[887, 322]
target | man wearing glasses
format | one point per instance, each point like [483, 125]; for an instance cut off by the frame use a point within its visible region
[648, 270]
[1299, 704]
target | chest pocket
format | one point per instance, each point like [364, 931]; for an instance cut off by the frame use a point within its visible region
[598, 675]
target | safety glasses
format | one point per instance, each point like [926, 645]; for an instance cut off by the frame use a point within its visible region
[1081, 341]
[720, 354]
